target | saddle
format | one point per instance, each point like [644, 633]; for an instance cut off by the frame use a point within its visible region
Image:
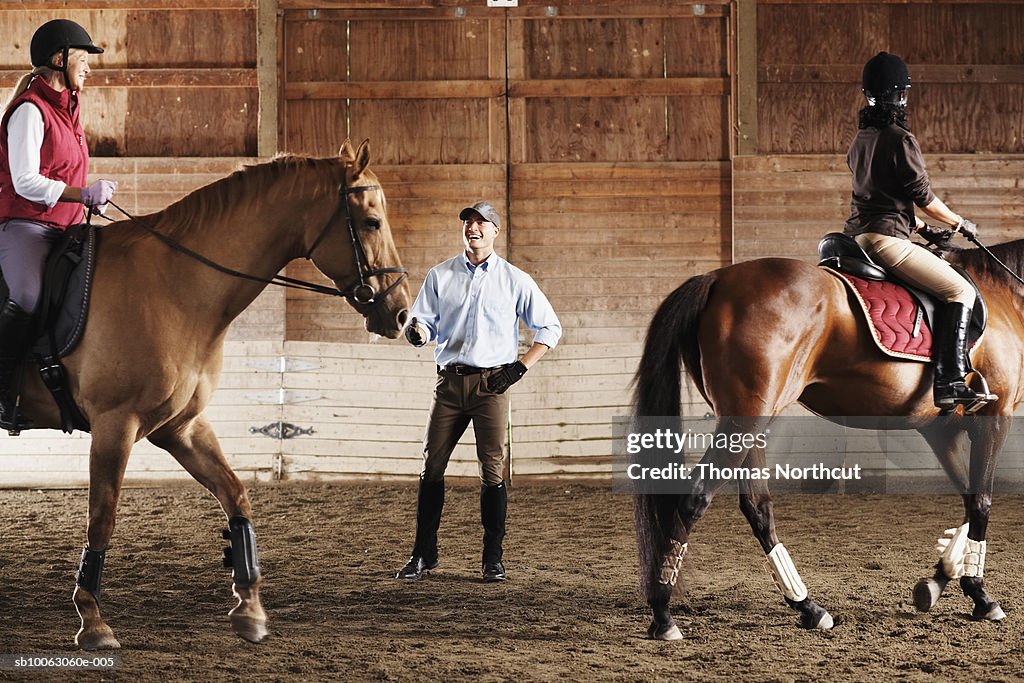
[900, 316]
[63, 308]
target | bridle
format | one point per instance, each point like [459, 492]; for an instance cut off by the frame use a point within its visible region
[360, 292]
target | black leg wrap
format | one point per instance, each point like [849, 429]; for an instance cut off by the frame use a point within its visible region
[241, 556]
[493, 510]
[90, 569]
[429, 504]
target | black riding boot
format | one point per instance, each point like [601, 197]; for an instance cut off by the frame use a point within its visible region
[15, 333]
[493, 508]
[428, 518]
[951, 363]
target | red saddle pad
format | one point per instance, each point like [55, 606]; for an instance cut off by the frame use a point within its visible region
[893, 316]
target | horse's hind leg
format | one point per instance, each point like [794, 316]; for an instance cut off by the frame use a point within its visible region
[756, 505]
[197, 450]
[112, 440]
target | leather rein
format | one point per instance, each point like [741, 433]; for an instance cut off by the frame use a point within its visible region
[360, 291]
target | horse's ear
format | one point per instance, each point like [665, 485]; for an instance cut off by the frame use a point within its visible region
[362, 157]
[347, 153]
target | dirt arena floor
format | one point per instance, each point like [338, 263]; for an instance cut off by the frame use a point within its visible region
[570, 610]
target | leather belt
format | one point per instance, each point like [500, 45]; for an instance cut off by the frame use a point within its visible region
[460, 370]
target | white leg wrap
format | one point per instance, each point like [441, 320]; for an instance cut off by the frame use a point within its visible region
[952, 550]
[782, 570]
[672, 563]
[974, 559]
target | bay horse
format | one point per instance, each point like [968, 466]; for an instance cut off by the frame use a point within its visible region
[151, 352]
[758, 336]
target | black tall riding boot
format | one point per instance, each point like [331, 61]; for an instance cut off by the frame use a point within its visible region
[493, 508]
[429, 504]
[951, 363]
[15, 337]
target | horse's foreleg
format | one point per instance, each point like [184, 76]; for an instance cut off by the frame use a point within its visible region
[197, 450]
[962, 553]
[756, 505]
[943, 435]
[112, 442]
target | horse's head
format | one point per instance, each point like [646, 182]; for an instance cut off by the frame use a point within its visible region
[356, 250]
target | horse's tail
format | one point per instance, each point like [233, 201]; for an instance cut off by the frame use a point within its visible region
[671, 343]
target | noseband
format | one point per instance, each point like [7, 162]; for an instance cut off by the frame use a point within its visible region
[360, 291]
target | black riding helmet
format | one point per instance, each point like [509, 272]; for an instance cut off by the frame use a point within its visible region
[60, 35]
[885, 78]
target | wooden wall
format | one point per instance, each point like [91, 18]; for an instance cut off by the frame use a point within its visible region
[606, 133]
[176, 79]
[602, 132]
[784, 204]
[965, 58]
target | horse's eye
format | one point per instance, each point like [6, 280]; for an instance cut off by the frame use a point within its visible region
[372, 223]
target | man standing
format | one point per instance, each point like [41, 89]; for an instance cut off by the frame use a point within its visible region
[471, 305]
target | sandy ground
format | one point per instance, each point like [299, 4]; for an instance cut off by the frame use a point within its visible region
[570, 609]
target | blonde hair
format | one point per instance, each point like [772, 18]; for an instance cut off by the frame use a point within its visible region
[23, 82]
[22, 85]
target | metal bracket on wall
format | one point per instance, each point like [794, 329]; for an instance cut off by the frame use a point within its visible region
[281, 430]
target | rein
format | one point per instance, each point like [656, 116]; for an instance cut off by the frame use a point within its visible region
[361, 291]
[974, 240]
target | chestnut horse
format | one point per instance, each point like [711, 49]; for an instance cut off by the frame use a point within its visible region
[151, 352]
[758, 336]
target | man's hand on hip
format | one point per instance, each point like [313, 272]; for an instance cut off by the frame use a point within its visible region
[500, 380]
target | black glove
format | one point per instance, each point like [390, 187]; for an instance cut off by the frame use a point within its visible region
[510, 373]
[933, 235]
[968, 228]
[413, 335]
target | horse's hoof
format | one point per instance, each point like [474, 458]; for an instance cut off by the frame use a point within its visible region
[658, 631]
[249, 628]
[991, 612]
[926, 594]
[825, 623]
[101, 638]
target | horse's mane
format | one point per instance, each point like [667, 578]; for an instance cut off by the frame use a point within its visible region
[979, 264]
[251, 183]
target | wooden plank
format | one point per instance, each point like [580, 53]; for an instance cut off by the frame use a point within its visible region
[157, 78]
[18, 5]
[746, 77]
[444, 89]
[268, 57]
[528, 9]
[849, 74]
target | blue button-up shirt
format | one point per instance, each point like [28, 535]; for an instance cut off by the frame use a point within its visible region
[474, 311]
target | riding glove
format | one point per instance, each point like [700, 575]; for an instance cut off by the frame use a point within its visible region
[968, 228]
[99, 193]
[935, 235]
[413, 334]
[502, 379]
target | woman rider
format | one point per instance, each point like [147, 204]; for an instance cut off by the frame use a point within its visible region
[44, 165]
[889, 179]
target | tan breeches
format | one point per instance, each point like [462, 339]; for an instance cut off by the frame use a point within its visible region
[917, 266]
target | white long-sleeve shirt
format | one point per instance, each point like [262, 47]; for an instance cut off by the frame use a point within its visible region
[24, 140]
[474, 311]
